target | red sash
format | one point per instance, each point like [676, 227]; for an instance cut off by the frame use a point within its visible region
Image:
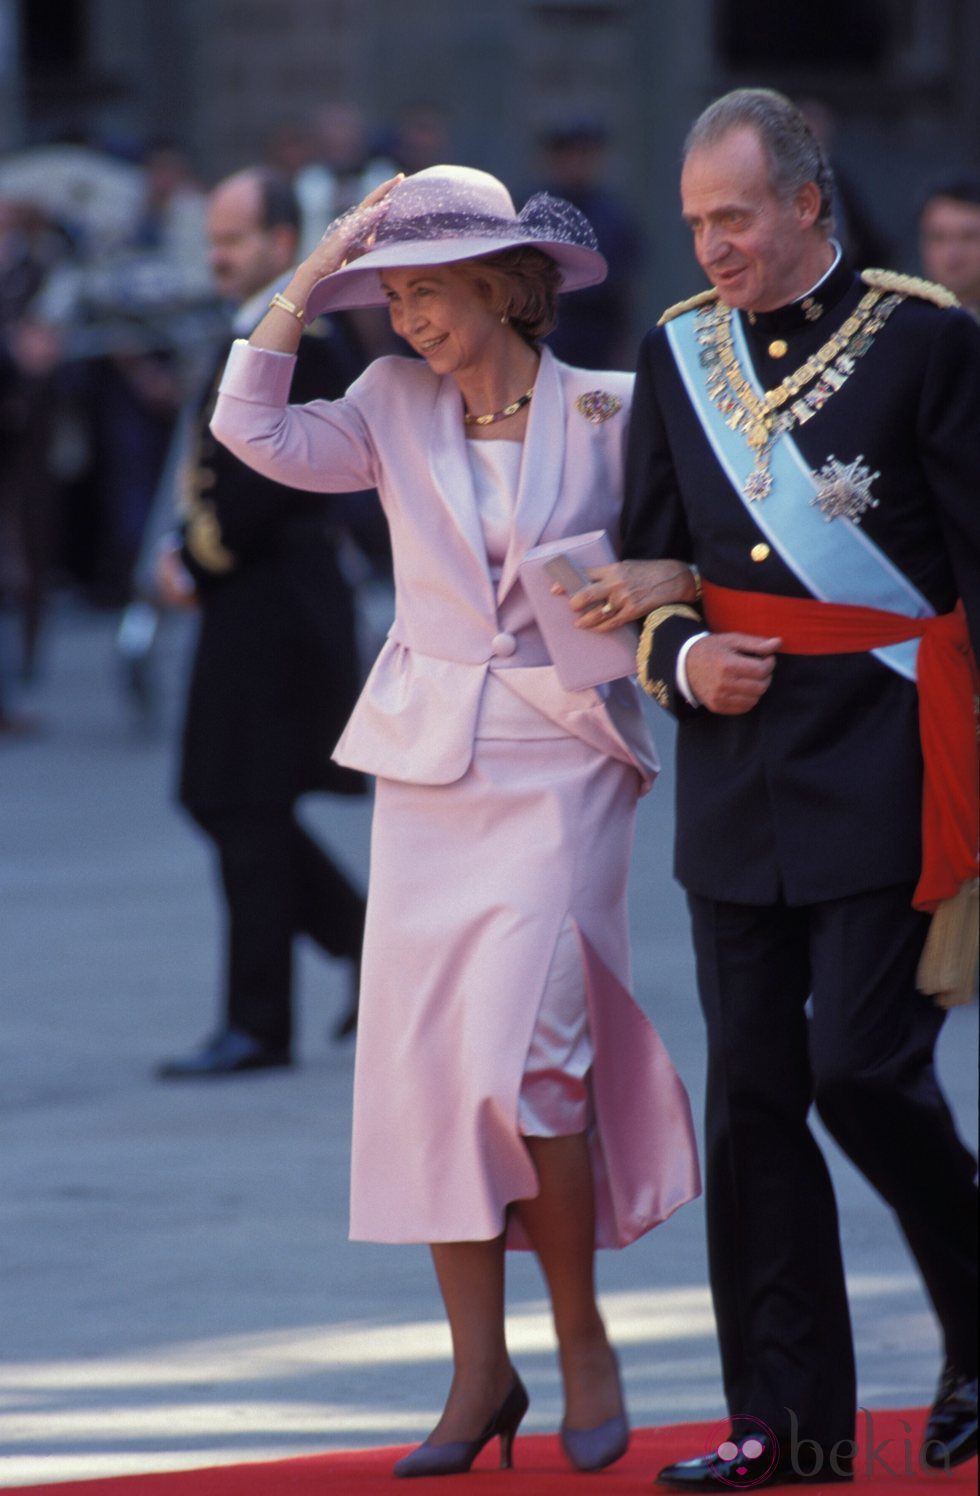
[947, 681]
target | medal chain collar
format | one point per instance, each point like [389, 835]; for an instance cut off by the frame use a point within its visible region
[763, 419]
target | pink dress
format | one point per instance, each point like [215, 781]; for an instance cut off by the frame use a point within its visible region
[472, 954]
[496, 973]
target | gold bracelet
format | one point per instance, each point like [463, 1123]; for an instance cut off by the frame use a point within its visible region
[289, 306]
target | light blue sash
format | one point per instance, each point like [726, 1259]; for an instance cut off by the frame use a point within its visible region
[835, 561]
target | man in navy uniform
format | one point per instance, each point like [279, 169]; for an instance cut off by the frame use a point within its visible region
[809, 439]
[275, 671]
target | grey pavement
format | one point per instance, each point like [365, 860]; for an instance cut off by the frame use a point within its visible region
[176, 1286]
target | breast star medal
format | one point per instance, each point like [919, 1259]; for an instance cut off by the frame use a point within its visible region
[844, 490]
[597, 406]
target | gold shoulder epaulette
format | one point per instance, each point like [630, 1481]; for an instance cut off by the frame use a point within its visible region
[690, 305]
[909, 285]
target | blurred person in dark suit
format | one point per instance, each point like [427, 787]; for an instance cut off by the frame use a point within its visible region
[858, 231]
[949, 238]
[420, 138]
[290, 146]
[173, 217]
[30, 247]
[341, 167]
[275, 672]
[596, 329]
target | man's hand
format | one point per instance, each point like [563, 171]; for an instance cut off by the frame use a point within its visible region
[730, 673]
[627, 590]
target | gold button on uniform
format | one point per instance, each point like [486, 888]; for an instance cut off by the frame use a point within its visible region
[778, 348]
[760, 552]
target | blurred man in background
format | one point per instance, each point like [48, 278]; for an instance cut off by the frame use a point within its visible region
[595, 330]
[949, 238]
[275, 672]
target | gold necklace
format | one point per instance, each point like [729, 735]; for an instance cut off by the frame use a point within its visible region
[762, 419]
[500, 415]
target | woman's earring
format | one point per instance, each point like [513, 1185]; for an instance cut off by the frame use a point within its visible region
[504, 320]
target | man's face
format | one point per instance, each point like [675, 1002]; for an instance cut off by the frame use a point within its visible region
[243, 255]
[756, 247]
[950, 247]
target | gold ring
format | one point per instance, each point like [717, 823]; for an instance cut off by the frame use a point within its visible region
[607, 608]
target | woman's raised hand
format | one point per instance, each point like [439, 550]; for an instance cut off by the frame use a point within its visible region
[281, 327]
[355, 227]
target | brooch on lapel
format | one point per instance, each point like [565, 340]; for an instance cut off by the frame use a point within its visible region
[597, 406]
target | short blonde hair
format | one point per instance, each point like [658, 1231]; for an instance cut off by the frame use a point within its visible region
[520, 284]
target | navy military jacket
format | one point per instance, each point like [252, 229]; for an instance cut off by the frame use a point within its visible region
[815, 793]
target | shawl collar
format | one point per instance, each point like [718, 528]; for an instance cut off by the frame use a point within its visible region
[541, 469]
[453, 477]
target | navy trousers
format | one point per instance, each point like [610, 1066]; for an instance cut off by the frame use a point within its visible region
[818, 1004]
[278, 883]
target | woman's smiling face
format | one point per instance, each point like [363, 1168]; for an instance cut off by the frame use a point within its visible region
[443, 315]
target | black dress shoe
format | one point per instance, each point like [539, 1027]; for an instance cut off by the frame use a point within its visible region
[229, 1053]
[951, 1433]
[744, 1463]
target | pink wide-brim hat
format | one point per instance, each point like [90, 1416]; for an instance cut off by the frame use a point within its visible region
[449, 213]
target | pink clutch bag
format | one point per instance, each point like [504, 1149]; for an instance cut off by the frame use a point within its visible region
[581, 657]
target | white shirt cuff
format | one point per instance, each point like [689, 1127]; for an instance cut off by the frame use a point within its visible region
[681, 670]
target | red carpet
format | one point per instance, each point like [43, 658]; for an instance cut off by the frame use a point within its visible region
[888, 1460]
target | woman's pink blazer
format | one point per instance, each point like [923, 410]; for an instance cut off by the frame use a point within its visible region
[399, 429]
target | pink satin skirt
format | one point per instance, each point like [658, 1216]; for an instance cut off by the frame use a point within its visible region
[495, 1001]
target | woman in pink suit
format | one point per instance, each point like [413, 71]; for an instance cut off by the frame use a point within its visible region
[508, 1091]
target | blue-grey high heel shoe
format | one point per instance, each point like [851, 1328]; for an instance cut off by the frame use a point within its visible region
[457, 1457]
[595, 1448]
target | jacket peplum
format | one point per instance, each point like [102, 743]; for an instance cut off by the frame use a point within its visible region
[399, 429]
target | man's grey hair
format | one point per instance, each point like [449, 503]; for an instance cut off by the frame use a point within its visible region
[795, 154]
